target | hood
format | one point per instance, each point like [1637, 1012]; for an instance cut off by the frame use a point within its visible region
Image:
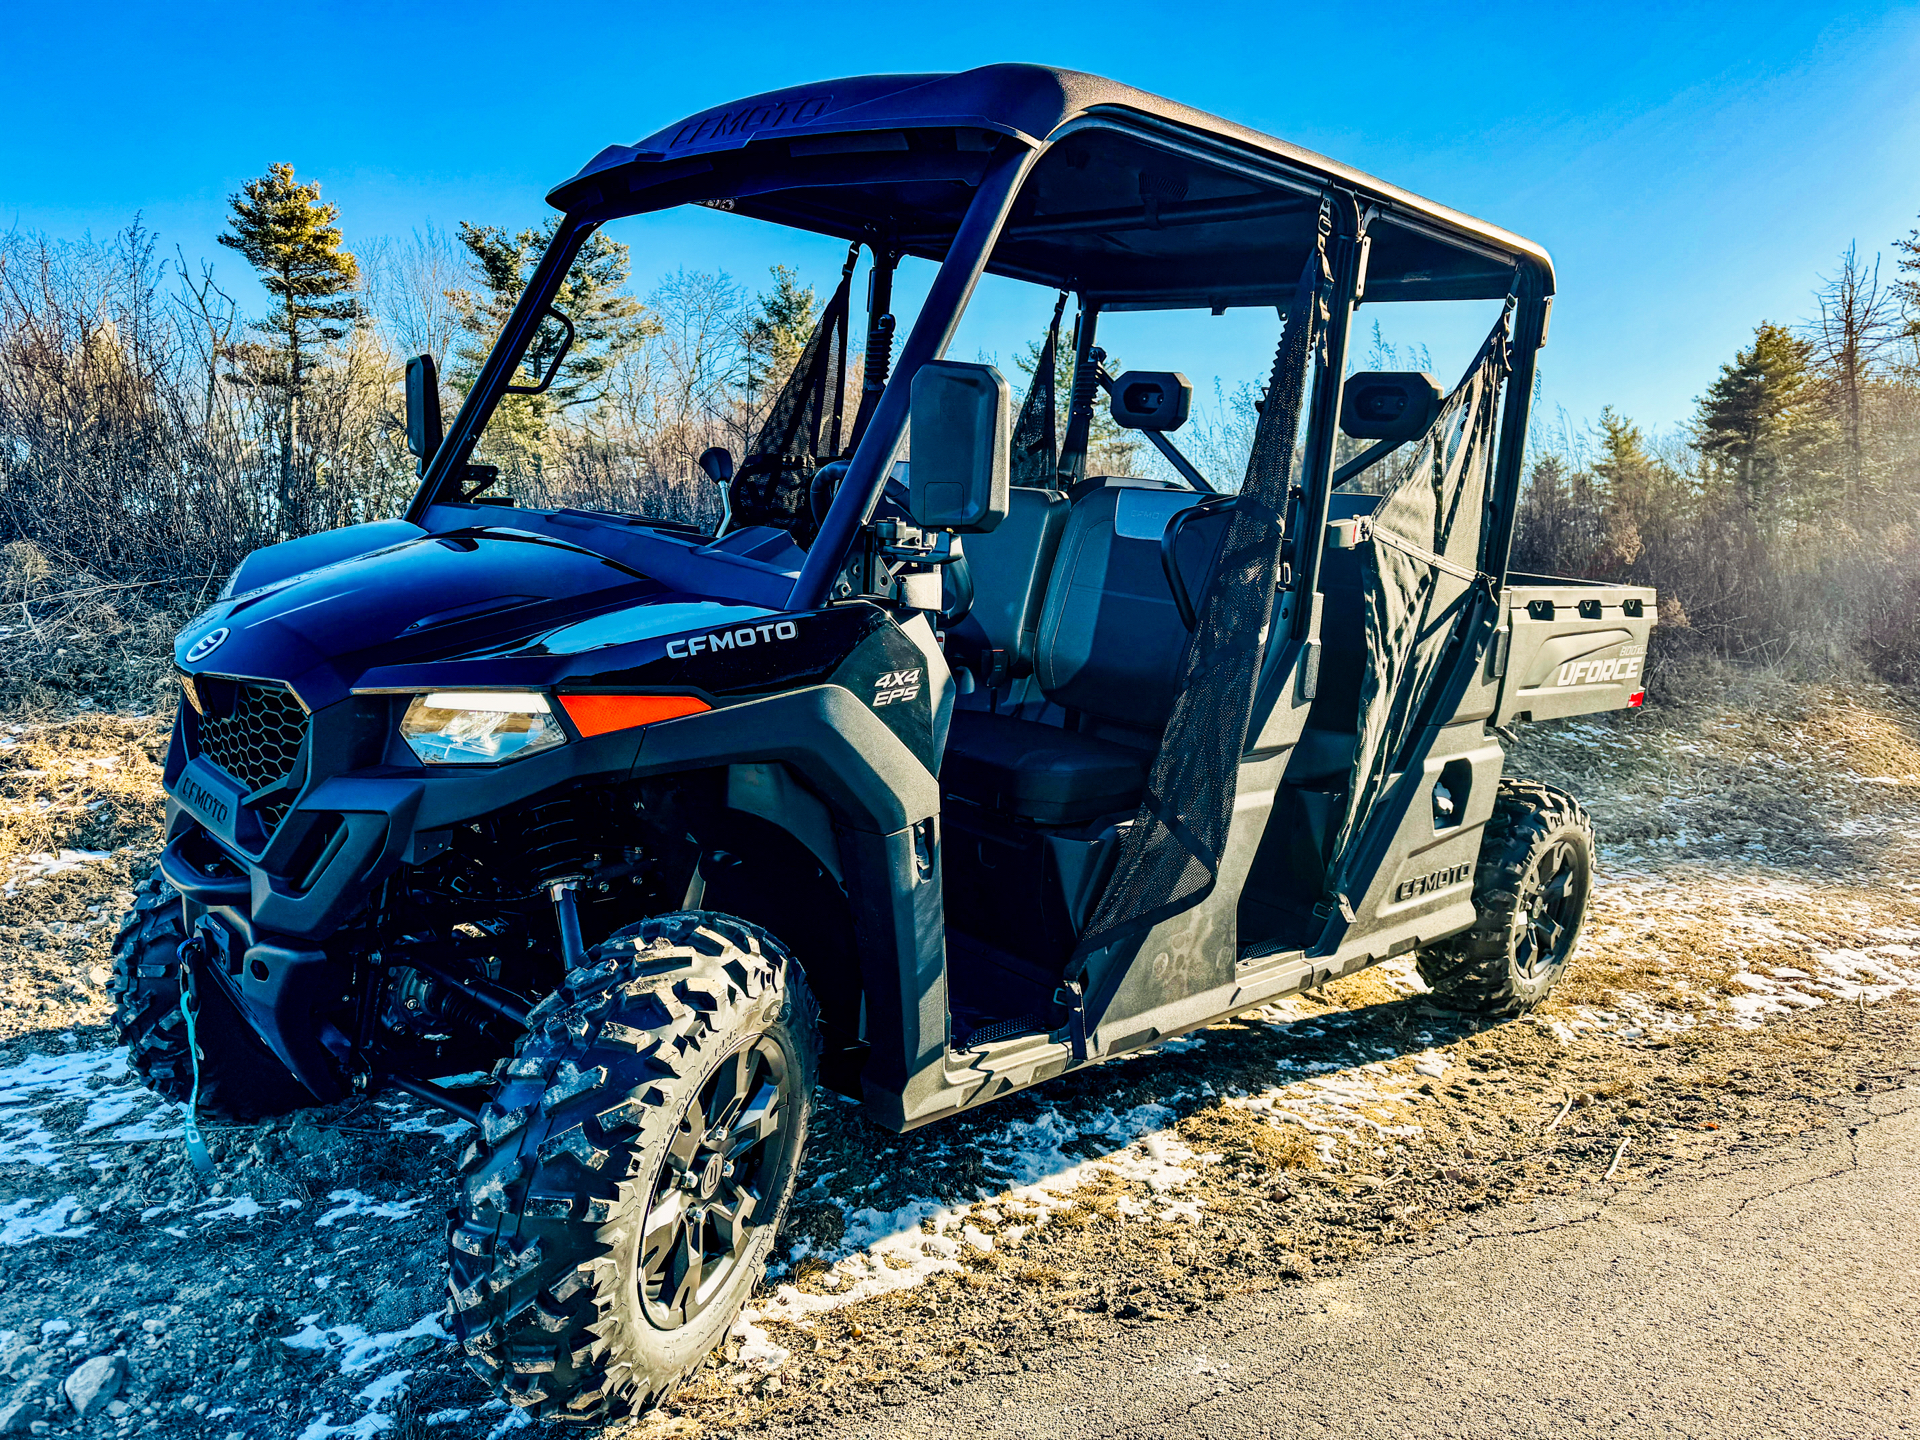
[421, 600]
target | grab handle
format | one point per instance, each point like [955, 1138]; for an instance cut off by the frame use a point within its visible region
[1170, 562]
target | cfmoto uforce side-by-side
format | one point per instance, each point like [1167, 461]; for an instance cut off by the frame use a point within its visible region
[923, 781]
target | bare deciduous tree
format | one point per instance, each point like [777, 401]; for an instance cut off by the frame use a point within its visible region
[1858, 326]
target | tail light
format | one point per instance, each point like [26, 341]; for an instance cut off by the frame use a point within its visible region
[1637, 697]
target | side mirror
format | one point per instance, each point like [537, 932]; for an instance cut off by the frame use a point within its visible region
[962, 444]
[1151, 400]
[423, 409]
[718, 462]
[1397, 405]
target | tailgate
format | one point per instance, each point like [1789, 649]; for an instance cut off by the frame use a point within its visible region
[1570, 647]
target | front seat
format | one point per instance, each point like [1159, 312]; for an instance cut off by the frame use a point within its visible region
[1008, 568]
[1107, 651]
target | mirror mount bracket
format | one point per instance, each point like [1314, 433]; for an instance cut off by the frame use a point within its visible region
[553, 366]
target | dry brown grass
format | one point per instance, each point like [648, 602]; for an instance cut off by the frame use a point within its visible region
[72, 640]
[1249, 1138]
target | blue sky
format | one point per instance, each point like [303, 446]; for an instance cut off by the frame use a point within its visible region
[1692, 168]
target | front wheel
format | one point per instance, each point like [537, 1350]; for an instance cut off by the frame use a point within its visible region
[633, 1166]
[1531, 889]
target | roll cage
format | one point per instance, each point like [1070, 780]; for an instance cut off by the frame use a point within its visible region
[1066, 180]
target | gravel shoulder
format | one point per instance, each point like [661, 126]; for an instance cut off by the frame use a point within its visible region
[1749, 974]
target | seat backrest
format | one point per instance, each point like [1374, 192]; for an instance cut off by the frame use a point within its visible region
[1110, 638]
[1009, 566]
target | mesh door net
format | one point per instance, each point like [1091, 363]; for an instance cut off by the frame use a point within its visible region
[1171, 855]
[1421, 578]
[802, 430]
[1036, 441]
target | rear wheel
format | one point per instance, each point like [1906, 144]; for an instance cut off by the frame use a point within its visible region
[1531, 889]
[633, 1166]
[240, 1078]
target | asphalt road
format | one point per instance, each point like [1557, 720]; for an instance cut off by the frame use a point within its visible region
[1764, 1296]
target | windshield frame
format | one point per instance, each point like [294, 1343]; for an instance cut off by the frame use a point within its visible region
[440, 480]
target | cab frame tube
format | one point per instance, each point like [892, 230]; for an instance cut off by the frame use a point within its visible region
[967, 256]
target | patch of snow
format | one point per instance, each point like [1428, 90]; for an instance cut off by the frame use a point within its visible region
[29, 1145]
[377, 1395]
[48, 1080]
[1174, 1045]
[356, 1203]
[36, 868]
[1040, 1162]
[104, 1111]
[151, 1129]
[241, 1208]
[450, 1128]
[358, 1350]
[20, 1223]
[757, 1352]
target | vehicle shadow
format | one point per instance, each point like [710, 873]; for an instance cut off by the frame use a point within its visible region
[1105, 1114]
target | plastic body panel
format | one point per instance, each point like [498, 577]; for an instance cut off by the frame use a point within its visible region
[1572, 647]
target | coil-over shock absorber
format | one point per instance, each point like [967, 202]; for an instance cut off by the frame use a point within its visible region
[555, 854]
[552, 847]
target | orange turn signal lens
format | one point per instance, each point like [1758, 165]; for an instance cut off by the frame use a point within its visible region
[596, 715]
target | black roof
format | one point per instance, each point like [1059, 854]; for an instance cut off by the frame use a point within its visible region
[1140, 201]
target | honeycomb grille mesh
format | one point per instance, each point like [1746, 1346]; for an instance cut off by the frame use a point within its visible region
[257, 742]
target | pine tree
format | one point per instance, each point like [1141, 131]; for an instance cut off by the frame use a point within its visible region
[1760, 426]
[608, 323]
[776, 332]
[1632, 482]
[291, 239]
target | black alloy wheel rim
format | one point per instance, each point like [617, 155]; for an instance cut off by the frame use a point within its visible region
[717, 1185]
[1550, 906]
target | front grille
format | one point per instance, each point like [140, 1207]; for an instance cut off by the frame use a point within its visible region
[255, 739]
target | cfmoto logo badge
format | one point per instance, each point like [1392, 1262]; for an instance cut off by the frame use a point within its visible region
[206, 645]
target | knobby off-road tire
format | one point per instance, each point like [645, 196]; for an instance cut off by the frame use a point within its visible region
[240, 1078]
[1531, 889]
[633, 1166]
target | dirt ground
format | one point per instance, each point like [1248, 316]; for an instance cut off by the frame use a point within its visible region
[1752, 957]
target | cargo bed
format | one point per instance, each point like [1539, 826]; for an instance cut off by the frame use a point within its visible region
[1570, 647]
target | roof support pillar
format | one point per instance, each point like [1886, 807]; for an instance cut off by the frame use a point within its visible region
[973, 242]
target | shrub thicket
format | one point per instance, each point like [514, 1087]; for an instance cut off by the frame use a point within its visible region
[1781, 526]
[150, 437]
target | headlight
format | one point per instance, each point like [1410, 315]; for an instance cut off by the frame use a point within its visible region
[470, 727]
